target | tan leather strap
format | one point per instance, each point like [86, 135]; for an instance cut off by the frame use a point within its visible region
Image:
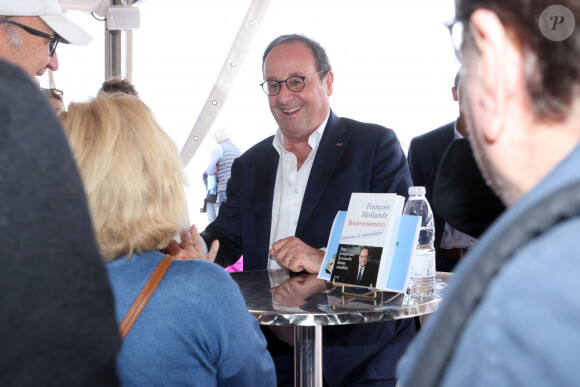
[144, 296]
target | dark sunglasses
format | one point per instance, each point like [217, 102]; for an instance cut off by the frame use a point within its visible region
[54, 39]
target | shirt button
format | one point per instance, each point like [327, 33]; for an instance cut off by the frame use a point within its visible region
[296, 190]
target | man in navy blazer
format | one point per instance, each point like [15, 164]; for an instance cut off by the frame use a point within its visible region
[425, 153]
[284, 193]
[352, 157]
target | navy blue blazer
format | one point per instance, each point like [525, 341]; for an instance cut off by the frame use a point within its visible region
[424, 156]
[352, 157]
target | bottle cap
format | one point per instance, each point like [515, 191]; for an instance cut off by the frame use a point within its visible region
[417, 191]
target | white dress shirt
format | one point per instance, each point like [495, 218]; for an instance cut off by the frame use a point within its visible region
[360, 273]
[289, 189]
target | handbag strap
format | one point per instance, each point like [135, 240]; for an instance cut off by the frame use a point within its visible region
[143, 297]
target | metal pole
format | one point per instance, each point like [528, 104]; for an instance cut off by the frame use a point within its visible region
[308, 356]
[113, 49]
[129, 55]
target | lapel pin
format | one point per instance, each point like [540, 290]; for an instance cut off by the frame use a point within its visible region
[339, 144]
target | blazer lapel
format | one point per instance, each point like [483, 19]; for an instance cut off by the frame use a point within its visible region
[444, 140]
[266, 178]
[332, 145]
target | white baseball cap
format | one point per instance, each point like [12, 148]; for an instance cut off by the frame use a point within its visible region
[51, 13]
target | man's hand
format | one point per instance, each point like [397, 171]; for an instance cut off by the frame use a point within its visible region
[296, 255]
[296, 290]
[191, 246]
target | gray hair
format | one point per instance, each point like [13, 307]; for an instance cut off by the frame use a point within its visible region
[220, 135]
[15, 39]
[322, 63]
[551, 70]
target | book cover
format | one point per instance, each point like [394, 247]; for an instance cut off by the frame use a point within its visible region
[395, 278]
[332, 247]
[367, 240]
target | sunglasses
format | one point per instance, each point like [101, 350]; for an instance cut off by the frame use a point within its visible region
[54, 39]
[52, 93]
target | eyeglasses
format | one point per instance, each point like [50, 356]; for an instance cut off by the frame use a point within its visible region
[54, 39]
[295, 84]
[52, 93]
[456, 31]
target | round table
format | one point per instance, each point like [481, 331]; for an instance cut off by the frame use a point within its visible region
[277, 298]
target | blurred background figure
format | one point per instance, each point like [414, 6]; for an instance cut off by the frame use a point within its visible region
[210, 205]
[196, 328]
[118, 85]
[55, 97]
[220, 166]
[460, 194]
[425, 153]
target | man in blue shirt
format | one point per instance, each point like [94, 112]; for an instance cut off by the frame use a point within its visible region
[511, 313]
[219, 170]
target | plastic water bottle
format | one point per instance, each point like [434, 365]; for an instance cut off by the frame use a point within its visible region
[422, 281]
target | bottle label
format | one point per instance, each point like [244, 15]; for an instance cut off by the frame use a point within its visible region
[423, 265]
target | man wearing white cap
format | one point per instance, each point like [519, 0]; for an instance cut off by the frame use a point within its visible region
[30, 31]
[57, 317]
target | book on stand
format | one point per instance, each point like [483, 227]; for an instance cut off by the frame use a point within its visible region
[372, 244]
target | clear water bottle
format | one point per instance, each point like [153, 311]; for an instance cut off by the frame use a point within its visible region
[422, 281]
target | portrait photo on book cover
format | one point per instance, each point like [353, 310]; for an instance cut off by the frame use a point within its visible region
[357, 265]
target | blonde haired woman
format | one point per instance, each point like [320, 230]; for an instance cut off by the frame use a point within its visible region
[196, 329]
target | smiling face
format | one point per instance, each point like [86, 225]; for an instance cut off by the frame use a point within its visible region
[33, 54]
[298, 114]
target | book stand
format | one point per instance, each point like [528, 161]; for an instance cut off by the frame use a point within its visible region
[372, 294]
[373, 231]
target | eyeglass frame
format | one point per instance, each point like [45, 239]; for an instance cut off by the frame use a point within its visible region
[303, 77]
[456, 46]
[54, 39]
[53, 93]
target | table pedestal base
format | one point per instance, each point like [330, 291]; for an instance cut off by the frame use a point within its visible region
[308, 356]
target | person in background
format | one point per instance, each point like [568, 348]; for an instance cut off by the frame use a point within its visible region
[118, 85]
[460, 194]
[30, 32]
[210, 203]
[55, 98]
[195, 329]
[210, 183]
[285, 191]
[511, 314]
[424, 156]
[57, 316]
[220, 167]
